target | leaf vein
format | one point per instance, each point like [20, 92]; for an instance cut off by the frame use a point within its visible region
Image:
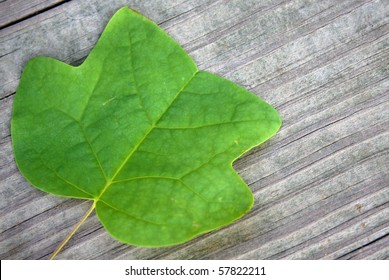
[164, 178]
[87, 140]
[61, 178]
[131, 215]
[206, 125]
[131, 152]
[93, 151]
[135, 81]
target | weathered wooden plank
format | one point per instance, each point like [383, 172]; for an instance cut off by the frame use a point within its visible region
[13, 11]
[321, 184]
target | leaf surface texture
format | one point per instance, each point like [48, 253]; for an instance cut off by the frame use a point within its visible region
[138, 129]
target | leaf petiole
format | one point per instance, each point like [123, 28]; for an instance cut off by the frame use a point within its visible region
[63, 243]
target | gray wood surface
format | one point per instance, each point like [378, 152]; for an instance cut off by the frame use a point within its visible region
[321, 185]
[12, 12]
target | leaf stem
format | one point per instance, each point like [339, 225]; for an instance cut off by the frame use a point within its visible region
[67, 238]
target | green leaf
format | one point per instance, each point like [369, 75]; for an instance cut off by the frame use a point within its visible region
[141, 132]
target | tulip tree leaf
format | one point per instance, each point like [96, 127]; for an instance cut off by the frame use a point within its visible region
[141, 132]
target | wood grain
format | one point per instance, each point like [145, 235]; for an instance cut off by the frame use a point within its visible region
[14, 11]
[321, 185]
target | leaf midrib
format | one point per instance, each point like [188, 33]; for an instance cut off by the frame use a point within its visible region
[151, 128]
